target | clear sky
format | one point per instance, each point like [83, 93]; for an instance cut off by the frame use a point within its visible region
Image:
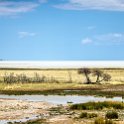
[62, 29]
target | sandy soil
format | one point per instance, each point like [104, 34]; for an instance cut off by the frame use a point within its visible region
[11, 109]
[22, 110]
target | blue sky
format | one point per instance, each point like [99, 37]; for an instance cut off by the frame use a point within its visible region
[61, 30]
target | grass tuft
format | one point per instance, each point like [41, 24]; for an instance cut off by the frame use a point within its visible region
[98, 105]
[103, 121]
[88, 115]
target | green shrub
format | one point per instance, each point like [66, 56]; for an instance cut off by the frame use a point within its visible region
[92, 115]
[118, 106]
[98, 105]
[112, 115]
[9, 123]
[88, 115]
[83, 115]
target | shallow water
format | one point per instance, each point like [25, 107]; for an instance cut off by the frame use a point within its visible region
[57, 99]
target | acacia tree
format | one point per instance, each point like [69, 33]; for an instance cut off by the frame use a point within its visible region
[106, 77]
[100, 75]
[86, 72]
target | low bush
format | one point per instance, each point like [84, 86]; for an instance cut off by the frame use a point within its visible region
[112, 115]
[98, 105]
[92, 115]
[88, 115]
[83, 115]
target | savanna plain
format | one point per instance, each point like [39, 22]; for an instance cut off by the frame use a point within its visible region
[99, 83]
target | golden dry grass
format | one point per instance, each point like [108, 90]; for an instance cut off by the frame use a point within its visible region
[64, 75]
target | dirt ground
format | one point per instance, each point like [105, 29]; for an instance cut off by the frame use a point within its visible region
[13, 110]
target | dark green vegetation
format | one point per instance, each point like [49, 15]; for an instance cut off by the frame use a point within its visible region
[87, 115]
[97, 110]
[68, 91]
[112, 115]
[98, 105]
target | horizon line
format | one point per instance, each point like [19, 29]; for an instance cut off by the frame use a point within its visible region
[62, 64]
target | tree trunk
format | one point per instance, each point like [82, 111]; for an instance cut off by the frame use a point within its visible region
[97, 80]
[87, 78]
